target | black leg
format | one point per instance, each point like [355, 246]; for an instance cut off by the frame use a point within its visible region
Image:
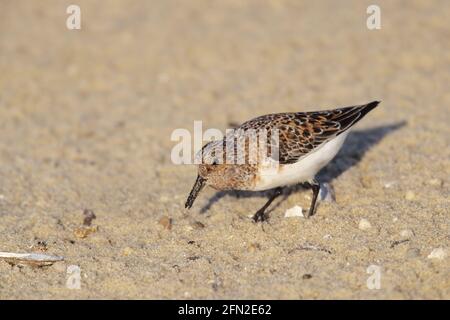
[260, 215]
[315, 188]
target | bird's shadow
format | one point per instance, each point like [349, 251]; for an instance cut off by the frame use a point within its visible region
[353, 150]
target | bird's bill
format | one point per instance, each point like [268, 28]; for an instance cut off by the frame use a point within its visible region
[198, 186]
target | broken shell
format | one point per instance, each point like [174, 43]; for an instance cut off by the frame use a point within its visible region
[364, 224]
[438, 253]
[294, 212]
[406, 233]
[33, 259]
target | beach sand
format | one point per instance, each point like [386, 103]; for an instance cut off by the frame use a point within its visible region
[86, 118]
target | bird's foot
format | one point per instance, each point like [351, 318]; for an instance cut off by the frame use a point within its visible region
[260, 216]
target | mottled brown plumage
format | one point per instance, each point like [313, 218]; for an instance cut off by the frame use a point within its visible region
[302, 132]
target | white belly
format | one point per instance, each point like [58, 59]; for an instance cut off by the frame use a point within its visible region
[303, 170]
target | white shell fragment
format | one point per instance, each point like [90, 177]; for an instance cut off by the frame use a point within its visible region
[406, 233]
[34, 259]
[294, 212]
[364, 224]
[438, 253]
[326, 193]
[390, 184]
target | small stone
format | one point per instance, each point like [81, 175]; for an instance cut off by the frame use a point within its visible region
[83, 232]
[364, 224]
[390, 184]
[254, 247]
[438, 253]
[412, 253]
[197, 225]
[166, 222]
[127, 251]
[327, 236]
[406, 233]
[435, 182]
[394, 219]
[306, 276]
[294, 212]
[88, 217]
[410, 195]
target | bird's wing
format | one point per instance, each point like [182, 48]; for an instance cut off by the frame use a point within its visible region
[303, 132]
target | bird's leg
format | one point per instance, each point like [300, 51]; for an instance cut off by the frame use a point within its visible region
[315, 186]
[260, 215]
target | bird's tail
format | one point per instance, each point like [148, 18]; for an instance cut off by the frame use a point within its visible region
[351, 115]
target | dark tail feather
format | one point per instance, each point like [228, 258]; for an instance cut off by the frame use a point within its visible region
[368, 107]
[355, 114]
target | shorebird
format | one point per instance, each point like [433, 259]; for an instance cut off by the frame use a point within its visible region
[307, 141]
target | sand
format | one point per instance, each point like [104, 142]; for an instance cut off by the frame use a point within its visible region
[85, 123]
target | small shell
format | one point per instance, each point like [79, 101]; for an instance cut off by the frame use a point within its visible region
[438, 253]
[364, 224]
[294, 212]
[33, 259]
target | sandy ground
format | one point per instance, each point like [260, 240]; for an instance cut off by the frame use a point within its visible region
[86, 118]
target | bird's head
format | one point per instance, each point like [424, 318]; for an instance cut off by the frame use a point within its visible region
[211, 170]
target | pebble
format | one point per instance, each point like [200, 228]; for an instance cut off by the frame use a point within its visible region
[83, 232]
[407, 233]
[197, 225]
[294, 212]
[127, 251]
[88, 217]
[410, 195]
[364, 224]
[254, 247]
[390, 184]
[328, 236]
[438, 253]
[166, 222]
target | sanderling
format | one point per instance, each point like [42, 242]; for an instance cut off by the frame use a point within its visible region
[307, 141]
